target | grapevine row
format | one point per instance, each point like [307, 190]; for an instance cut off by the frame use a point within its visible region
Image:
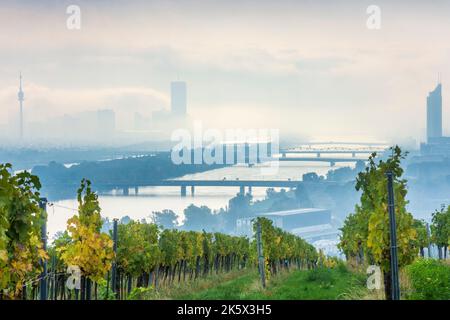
[146, 256]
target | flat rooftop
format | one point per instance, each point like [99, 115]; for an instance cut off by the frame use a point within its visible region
[293, 212]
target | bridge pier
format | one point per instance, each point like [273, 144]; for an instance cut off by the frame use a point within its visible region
[353, 154]
[318, 154]
[245, 186]
[192, 191]
[258, 152]
[269, 149]
[332, 163]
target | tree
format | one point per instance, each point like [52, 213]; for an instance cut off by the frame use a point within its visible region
[281, 201]
[20, 231]
[422, 240]
[341, 174]
[171, 252]
[311, 177]
[238, 207]
[199, 218]
[166, 219]
[138, 253]
[89, 249]
[88, 206]
[354, 233]
[302, 196]
[282, 249]
[373, 184]
[370, 223]
[440, 230]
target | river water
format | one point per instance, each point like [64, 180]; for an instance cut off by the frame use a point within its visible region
[150, 199]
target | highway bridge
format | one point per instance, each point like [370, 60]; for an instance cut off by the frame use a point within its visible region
[354, 143]
[318, 153]
[185, 184]
[331, 160]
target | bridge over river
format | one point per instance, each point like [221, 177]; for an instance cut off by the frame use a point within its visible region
[331, 155]
[185, 184]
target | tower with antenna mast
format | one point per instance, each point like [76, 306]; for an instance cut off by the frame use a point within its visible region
[20, 95]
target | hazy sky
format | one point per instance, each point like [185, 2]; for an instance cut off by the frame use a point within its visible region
[312, 67]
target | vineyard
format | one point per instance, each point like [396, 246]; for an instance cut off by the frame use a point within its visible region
[138, 259]
[365, 234]
[84, 263]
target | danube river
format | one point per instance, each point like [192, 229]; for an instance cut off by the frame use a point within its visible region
[150, 199]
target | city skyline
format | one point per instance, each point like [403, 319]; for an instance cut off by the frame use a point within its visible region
[316, 63]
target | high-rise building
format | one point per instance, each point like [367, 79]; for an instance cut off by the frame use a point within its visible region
[437, 145]
[434, 113]
[20, 96]
[178, 98]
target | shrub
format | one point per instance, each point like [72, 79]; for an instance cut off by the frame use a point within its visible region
[430, 280]
[322, 276]
[139, 293]
[342, 267]
[105, 293]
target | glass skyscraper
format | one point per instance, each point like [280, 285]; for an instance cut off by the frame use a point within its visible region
[434, 113]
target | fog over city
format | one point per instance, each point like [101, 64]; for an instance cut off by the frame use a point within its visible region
[314, 70]
[83, 82]
[265, 149]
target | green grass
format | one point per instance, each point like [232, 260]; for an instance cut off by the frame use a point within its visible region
[232, 289]
[319, 284]
[180, 290]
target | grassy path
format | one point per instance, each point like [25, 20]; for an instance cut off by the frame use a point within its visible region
[317, 284]
[233, 289]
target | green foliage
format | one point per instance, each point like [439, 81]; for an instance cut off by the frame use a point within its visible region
[103, 292]
[88, 249]
[287, 286]
[422, 239]
[365, 233]
[61, 239]
[440, 227]
[280, 247]
[342, 267]
[88, 206]
[171, 250]
[144, 248]
[322, 276]
[137, 249]
[430, 280]
[140, 293]
[20, 223]
[353, 241]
